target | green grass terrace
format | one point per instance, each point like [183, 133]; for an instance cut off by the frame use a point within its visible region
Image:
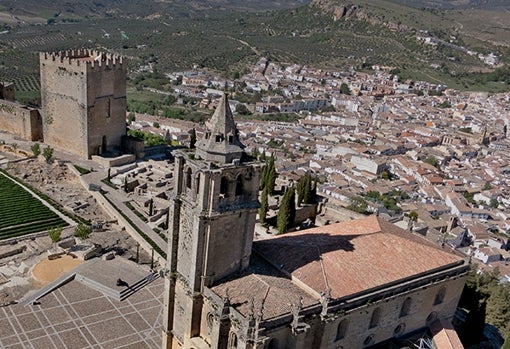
[21, 213]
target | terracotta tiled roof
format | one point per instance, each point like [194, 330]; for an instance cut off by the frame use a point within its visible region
[353, 256]
[262, 283]
[444, 336]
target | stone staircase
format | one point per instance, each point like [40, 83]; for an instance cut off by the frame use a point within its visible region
[113, 293]
[128, 291]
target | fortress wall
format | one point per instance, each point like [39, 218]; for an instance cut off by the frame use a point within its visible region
[21, 121]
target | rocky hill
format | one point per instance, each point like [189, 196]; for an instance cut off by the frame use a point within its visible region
[459, 4]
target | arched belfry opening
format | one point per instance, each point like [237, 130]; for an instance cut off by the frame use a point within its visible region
[188, 178]
[224, 187]
[239, 186]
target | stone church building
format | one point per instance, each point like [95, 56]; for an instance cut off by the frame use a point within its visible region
[349, 285]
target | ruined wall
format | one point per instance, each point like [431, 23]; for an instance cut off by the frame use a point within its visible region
[7, 91]
[83, 95]
[20, 120]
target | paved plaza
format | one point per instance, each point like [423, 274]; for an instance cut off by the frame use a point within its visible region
[76, 316]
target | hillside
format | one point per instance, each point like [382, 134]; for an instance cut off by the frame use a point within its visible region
[431, 45]
[67, 10]
[491, 5]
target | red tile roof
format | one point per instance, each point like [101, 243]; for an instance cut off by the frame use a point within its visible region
[353, 256]
[444, 336]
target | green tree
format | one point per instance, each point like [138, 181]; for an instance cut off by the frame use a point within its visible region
[47, 153]
[292, 206]
[474, 298]
[413, 215]
[242, 109]
[305, 190]
[271, 176]
[357, 204]
[263, 177]
[192, 138]
[255, 153]
[506, 345]
[131, 117]
[82, 231]
[283, 220]
[36, 149]
[55, 234]
[487, 186]
[264, 207]
[498, 307]
[432, 161]
[494, 203]
[344, 89]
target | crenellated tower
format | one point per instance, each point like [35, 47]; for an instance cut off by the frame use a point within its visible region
[214, 206]
[83, 96]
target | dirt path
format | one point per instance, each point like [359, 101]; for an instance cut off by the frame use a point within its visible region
[47, 270]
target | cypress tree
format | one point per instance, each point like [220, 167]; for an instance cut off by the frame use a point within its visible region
[307, 189]
[255, 153]
[264, 207]
[283, 218]
[271, 175]
[314, 188]
[292, 206]
[300, 191]
[192, 138]
[263, 178]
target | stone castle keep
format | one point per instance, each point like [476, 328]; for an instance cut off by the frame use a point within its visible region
[83, 98]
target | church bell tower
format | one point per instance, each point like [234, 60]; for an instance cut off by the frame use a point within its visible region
[213, 207]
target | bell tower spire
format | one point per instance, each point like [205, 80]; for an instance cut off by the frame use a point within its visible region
[220, 142]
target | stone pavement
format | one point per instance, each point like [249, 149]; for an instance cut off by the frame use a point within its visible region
[74, 316]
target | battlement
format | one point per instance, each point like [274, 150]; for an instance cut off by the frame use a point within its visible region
[83, 57]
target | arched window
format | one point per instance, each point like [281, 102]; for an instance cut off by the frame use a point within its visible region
[368, 341]
[188, 178]
[399, 329]
[232, 342]
[376, 316]
[406, 307]
[440, 296]
[239, 186]
[273, 344]
[431, 318]
[341, 329]
[224, 187]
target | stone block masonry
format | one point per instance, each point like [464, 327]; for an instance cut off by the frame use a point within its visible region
[83, 95]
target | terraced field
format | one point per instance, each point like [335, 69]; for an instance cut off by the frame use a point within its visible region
[21, 213]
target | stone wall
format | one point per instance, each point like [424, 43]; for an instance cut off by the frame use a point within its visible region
[374, 320]
[21, 121]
